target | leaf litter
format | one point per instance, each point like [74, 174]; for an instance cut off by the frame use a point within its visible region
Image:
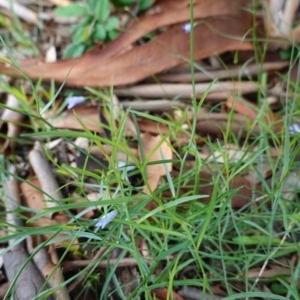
[116, 146]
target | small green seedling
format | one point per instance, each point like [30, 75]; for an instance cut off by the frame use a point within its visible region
[96, 24]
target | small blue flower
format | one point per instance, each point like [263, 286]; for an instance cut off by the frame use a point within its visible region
[187, 27]
[105, 220]
[73, 101]
[294, 128]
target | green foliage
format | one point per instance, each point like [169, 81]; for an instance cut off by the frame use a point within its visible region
[141, 4]
[96, 24]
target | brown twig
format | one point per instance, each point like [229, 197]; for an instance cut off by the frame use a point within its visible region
[12, 204]
[153, 105]
[44, 174]
[186, 90]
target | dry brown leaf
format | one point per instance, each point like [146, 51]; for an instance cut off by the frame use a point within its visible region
[153, 127]
[155, 171]
[34, 200]
[271, 272]
[32, 197]
[166, 50]
[250, 110]
[3, 289]
[164, 294]
[88, 115]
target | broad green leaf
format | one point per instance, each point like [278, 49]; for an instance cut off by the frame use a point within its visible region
[74, 50]
[100, 32]
[102, 11]
[78, 36]
[111, 23]
[72, 10]
[145, 4]
[122, 3]
[113, 34]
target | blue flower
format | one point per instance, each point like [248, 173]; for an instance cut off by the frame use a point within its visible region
[187, 27]
[73, 101]
[106, 219]
[294, 128]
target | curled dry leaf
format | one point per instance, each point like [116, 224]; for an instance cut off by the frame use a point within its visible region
[169, 49]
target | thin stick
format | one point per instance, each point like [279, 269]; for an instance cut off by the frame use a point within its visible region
[288, 17]
[13, 202]
[153, 105]
[44, 174]
[185, 90]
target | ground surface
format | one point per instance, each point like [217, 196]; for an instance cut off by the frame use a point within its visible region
[161, 161]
